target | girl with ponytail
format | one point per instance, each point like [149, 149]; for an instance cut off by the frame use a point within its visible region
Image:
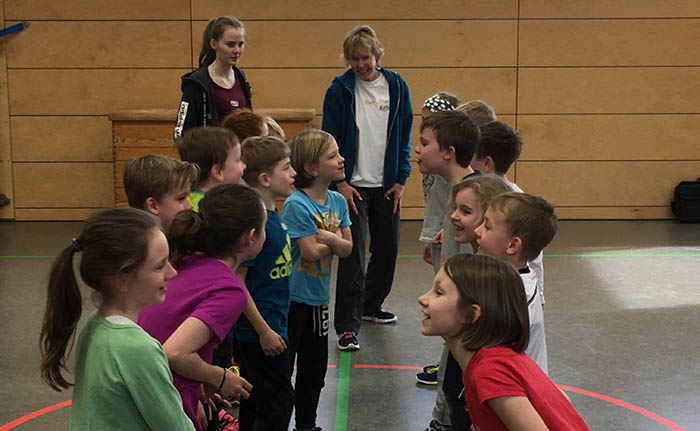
[206, 298]
[124, 259]
[218, 87]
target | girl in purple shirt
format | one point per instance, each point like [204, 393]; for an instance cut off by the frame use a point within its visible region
[205, 298]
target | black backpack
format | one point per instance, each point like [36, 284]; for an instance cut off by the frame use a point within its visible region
[686, 201]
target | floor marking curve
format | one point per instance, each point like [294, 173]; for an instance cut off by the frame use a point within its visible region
[343, 401]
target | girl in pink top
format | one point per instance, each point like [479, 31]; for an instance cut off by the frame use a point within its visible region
[206, 298]
[477, 305]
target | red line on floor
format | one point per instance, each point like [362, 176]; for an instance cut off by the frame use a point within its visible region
[651, 415]
[8, 426]
[390, 367]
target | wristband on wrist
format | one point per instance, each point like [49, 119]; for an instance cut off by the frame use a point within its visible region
[223, 380]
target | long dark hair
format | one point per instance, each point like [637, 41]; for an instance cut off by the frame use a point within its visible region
[215, 29]
[226, 213]
[113, 242]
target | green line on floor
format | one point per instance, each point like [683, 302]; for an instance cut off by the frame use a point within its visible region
[341, 407]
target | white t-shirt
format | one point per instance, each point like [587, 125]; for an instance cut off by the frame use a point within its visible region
[537, 348]
[372, 120]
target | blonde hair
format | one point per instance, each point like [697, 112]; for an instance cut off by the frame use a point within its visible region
[260, 155]
[530, 217]
[154, 175]
[274, 129]
[307, 147]
[362, 36]
[480, 111]
[485, 188]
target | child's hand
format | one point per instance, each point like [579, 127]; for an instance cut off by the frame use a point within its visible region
[272, 343]
[437, 240]
[235, 385]
[427, 257]
[201, 416]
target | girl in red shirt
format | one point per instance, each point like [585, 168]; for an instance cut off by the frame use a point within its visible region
[477, 305]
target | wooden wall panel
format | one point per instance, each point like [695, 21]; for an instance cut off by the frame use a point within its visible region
[608, 42]
[6, 180]
[614, 213]
[61, 139]
[601, 184]
[610, 137]
[54, 214]
[99, 44]
[92, 92]
[358, 10]
[291, 88]
[97, 9]
[609, 90]
[492, 43]
[64, 185]
[609, 9]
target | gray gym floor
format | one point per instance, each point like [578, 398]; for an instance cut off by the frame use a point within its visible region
[622, 313]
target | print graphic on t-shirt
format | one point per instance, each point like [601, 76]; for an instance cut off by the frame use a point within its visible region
[234, 103]
[283, 263]
[383, 105]
[331, 223]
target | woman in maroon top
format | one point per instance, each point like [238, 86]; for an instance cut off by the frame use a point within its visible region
[218, 87]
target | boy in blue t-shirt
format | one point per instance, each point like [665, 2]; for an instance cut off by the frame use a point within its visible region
[319, 224]
[261, 332]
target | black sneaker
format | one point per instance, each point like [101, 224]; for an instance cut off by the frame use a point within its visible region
[348, 341]
[381, 316]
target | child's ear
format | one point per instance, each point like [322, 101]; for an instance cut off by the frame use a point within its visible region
[311, 169]
[449, 153]
[151, 205]
[476, 313]
[216, 173]
[489, 164]
[514, 245]
[264, 179]
[250, 237]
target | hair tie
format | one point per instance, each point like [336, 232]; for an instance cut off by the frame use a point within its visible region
[437, 103]
[76, 245]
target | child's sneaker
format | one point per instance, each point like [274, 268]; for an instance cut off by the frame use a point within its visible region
[429, 375]
[381, 316]
[227, 422]
[348, 341]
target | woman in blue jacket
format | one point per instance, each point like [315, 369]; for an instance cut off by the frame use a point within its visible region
[368, 111]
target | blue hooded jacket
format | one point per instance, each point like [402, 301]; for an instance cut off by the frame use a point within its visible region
[339, 121]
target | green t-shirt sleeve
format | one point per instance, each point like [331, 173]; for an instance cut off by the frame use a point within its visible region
[147, 376]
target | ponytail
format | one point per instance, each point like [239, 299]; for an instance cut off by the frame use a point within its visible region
[63, 308]
[226, 213]
[113, 242]
[184, 234]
